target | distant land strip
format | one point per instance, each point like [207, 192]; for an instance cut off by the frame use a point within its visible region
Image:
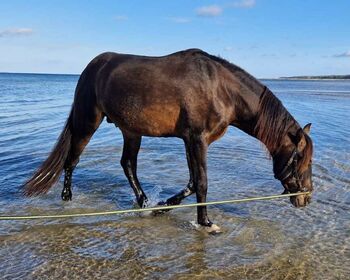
[326, 77]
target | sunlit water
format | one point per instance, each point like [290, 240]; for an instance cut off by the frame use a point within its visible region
[260, 240]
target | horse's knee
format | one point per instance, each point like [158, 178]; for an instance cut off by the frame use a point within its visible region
[125, 163]
[201, 189]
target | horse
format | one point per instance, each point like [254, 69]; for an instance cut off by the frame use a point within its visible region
[190, 94]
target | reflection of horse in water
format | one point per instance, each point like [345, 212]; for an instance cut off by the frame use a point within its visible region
[189, 94]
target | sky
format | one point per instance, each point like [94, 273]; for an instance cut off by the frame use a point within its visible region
[268, 38]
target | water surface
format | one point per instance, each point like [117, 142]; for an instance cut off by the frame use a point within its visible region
[260, 240]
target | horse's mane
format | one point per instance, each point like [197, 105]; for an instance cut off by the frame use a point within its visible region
[247, 79]
[273, 121]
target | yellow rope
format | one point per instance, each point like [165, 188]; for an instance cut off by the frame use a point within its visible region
[156, 208]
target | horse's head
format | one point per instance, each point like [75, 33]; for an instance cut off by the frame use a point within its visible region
[292, 165]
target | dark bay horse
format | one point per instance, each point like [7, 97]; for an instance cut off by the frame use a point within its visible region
[189, 94]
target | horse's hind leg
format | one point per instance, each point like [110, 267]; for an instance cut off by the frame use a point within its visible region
[78, 145]
[66, 194]
[129, 163]
[83, 127]
[177, 198]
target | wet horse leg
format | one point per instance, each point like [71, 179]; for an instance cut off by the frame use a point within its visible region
[197, 150]
[66, 194]
[129, 164]
[177, 198]
[189, 190]
[80, 139]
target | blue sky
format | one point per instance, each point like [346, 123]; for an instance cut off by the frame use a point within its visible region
[268, 38]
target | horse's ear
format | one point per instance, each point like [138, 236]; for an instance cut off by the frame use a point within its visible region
[301, 142]
[298, 139]
[307, 128]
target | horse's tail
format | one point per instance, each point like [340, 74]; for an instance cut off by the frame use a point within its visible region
[51, 169]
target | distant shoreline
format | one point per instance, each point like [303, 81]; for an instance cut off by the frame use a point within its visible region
[317, 78]
[25, 73]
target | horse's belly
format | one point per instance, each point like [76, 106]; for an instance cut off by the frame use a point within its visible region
[152, 120]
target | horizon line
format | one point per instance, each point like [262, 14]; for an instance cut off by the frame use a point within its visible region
[71, 74]
[39, 73]
[299, 77]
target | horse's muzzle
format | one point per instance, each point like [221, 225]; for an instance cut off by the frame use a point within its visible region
[300, 200]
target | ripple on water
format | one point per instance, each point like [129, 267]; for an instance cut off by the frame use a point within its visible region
[260, 240]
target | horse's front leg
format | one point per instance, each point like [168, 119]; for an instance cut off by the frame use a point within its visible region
[197, 149]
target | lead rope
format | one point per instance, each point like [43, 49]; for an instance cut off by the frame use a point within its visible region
[156, 208]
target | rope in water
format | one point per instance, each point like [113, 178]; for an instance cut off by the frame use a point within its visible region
[156, 208]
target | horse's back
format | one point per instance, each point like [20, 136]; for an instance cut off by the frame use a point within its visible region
[156, 96]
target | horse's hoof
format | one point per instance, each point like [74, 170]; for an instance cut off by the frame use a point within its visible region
[160, 212]
[213, 229]
[144, 203]
[66, 195]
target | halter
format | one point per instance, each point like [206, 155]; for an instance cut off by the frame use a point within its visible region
[290, 171]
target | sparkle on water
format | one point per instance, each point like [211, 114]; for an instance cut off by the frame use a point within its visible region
[260, 240]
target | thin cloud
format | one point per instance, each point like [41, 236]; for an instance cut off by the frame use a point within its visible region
[121, 18]
[16, 32]
[228, 49]
[269, 55]
[178, 19]
[243, 4]
[209, 11]
[216, 10]
[345, 54]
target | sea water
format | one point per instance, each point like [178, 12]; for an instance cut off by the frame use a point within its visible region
[260, 240]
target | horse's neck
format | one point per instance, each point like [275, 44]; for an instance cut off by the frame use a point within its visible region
[266, 119]
[255, 109]
[245, 107]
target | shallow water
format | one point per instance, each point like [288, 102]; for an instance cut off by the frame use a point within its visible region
[260, 240]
